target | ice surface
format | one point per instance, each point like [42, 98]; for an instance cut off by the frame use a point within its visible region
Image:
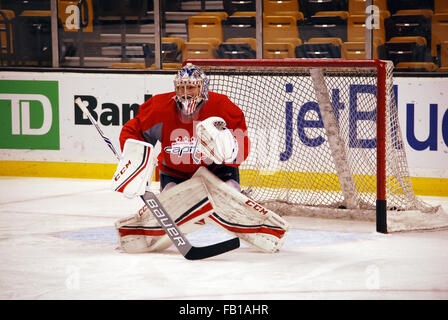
[57, 241]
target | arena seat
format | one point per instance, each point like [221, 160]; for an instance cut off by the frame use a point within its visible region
[272, 7]
[356, 29]
[320, 48]
[278, 50]
[439, 32]
[242, 25]
[232, 6]
[359, 6]
[415, 66]
[328, 24]
[357, 50]
[238, 48]
[203, 28]
[200, 50]
[396, 5]
[281, 29]
[311, 7]
[409, 23]
[407, 49]
[220, 14]
[353, 50]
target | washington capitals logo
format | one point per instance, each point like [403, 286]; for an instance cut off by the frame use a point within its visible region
[185, 145]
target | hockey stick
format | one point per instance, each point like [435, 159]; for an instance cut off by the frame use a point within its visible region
[182, 244]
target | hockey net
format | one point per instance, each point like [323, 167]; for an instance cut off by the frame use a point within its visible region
[325, 139]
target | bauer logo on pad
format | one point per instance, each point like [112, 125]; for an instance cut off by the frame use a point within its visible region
[29, 114]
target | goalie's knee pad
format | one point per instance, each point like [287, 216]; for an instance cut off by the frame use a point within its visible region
[142, 233]
[254, 224]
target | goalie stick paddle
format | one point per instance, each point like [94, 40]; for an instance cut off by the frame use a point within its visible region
[178, 238]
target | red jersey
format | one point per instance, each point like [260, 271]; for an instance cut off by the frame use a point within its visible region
[158, 119]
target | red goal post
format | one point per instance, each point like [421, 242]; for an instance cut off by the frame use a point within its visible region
[320, 78]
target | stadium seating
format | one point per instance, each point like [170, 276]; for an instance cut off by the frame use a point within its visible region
[232, 6]
[32, 37]
[281, 36]
[18, 6]
[227, 29]
[278, 50]
[200, 50]
[356, 35]
[205, 28]
[325, 24]
[396, 5]
[444, 57]
[132, 65]
[359, 6]
[440, 6]
[6, 36]
[240, 25]
[439, 32]
[220, 14]
[415, 66]
[281, 29]
[353, 50]
[320, 48]
[172, 49]
[409, 23]
[239, 34]
[272, 7]
[407, 49]
[236, 48]
[311, 7]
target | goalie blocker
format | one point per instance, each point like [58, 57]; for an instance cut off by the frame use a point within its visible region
[136, 168]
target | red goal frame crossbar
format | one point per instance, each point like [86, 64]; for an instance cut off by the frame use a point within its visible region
[379, 65]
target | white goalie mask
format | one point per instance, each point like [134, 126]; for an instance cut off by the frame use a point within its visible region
[191, 85]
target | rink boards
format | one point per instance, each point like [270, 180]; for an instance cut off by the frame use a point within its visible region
[43, 133]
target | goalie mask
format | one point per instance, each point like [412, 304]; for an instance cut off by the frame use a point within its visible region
[191, 85]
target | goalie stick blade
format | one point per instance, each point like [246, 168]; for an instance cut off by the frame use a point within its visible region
[197, 253]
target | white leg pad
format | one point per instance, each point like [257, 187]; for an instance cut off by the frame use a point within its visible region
[255, 225]
[187, 203]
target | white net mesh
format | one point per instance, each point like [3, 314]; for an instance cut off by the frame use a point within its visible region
[313, 138]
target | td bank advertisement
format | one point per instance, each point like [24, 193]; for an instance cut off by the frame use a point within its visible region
[41, 123]
[29, 114]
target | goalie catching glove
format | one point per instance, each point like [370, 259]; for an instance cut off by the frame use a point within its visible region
[216, 141]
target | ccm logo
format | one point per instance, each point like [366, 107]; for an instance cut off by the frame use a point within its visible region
[257, 207]
[122, 171]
